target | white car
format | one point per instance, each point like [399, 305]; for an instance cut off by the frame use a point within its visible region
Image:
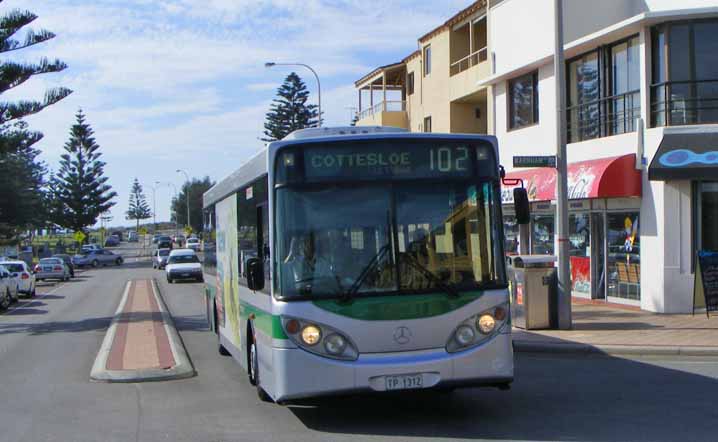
[193, 244]
[25, 277]
[8, 288]
[183, 264]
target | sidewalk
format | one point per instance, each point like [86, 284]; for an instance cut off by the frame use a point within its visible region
[619, 330]
[141, 344]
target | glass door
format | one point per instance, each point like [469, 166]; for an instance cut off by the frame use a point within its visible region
[624, 258]
[579, 236]
[598, 256]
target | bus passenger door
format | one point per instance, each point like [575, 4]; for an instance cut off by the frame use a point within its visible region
[263, 244]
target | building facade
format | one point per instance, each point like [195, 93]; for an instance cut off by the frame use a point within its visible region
[641, 84]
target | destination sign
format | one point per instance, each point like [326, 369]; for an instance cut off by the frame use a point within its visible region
[535, 161]
[389, 160]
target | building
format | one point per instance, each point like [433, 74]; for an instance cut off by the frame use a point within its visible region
[642, 130]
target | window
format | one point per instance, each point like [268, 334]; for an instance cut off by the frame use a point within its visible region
[427, 60]
[542, 231]
[523, 101]
[624, 257]
[427, 124]
[252, 227]
[684, 86]
[706, 205]
[410, 84]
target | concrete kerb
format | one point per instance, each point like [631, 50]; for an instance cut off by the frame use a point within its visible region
[612, 350]
[182, 369]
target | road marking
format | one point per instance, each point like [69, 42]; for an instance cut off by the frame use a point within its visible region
[36, 298]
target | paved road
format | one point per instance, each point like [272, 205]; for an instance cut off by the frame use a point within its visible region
[48, 345]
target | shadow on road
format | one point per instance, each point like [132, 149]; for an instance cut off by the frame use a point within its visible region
[606, 399]
[191, 323]
[22, 311]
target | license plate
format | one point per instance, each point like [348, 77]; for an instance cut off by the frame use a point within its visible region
[185, 274]
[404, 382]
[47, 269]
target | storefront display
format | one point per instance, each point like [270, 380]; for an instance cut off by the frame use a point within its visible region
[580, 252]
[624, 258]
[542, 234]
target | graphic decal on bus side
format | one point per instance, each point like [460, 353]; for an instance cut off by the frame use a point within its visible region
[227, 265]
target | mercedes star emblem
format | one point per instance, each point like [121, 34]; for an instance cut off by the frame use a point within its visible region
[402, 335]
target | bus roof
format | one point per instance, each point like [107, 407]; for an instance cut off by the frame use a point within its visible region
[256, 166]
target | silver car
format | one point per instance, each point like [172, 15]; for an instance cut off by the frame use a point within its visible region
[52, 268]
[159, 258]
[96, 258]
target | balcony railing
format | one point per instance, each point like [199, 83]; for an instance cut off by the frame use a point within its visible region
[677, 103]
[470, 60]
[383, 106]
[606, 116]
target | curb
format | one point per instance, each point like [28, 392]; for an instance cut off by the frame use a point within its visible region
[612, 350]
[181, 370]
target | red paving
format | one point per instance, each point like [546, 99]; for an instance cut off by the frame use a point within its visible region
[140, 340]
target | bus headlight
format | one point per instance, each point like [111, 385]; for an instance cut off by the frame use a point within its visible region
[486, 324]
[335, 344]
[478, 328]
[311, 334]
[319, 339]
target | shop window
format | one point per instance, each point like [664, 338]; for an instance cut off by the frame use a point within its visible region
[511, 235]
[579, 236]
[542, 234]
[624, 257]
[707, 216]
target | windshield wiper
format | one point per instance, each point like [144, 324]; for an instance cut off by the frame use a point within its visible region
[451, 291]
[366, 271]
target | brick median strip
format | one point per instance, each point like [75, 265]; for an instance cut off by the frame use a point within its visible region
[141, 343]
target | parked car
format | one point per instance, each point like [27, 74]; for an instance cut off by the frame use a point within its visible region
[112, 241]
[96, 258]
[8, 288]
[155, 238]
[24, 275]
[193, 244]
[118, 234]
[159, 258]
[183, 264]
[67, 259]
[87, 248]
[52, 268]
[179, 240]
[132, 236]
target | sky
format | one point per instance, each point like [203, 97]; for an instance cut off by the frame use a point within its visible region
[181, 84]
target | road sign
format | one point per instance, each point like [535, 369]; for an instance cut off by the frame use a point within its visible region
[143, 231]
[535, 161]
[188, 230]
[79, 237]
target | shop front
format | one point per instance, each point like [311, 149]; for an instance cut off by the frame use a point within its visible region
[604, 225]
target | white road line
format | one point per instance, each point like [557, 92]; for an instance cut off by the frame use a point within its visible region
[36, 298]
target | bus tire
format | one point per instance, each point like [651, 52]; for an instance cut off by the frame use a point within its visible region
[220, 348]
[253, 366]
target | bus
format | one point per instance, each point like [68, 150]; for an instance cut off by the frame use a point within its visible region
[343, 260]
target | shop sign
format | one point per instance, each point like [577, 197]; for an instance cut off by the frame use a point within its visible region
[705, 289]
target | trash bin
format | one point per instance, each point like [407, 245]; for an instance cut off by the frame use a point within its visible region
[533, 286]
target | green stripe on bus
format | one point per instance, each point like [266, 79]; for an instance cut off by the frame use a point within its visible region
[398, 307]
[264, 321]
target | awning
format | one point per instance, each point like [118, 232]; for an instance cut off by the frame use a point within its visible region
[686, 156]
[614, 177]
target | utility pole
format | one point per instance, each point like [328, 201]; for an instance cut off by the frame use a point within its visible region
[564, 273]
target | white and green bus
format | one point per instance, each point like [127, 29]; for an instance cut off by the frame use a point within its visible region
[361, 259]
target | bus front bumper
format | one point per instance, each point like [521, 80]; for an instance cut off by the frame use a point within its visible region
[299, 374]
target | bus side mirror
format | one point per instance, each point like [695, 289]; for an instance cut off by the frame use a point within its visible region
[521, 205]
[255, 274]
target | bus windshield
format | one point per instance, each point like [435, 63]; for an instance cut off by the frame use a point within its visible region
[392, 237]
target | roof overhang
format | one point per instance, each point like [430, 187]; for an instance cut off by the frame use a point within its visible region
[686, 155]
[378, 73]
[612, 177]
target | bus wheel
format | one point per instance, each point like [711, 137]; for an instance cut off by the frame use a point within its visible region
[220, 348]
[253, 365]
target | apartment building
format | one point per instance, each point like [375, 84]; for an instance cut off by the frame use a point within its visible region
[641, 81]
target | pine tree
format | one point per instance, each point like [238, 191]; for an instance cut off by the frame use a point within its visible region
[138, 207]
[196, 189]
[80, 192]
[14, 74]
[290, 111]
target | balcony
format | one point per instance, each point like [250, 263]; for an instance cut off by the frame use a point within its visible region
[385, 113]
[468, 58]
[604, 117]
[679, 103]
[389, 82]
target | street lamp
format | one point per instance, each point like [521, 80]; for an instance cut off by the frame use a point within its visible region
[168, 183]
[270, 64]
[154, 209]
[188, 186]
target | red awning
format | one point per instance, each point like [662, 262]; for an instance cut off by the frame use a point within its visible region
[614, 177]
